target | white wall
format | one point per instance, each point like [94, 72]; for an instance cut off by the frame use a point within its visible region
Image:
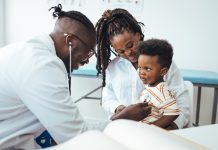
[90, 108]
[25, 18]
[2, 23]
[189, 25]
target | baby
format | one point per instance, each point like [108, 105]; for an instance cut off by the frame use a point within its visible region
[155, 58]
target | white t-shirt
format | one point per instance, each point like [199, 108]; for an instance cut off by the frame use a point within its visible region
[123, 87]
[34, 95]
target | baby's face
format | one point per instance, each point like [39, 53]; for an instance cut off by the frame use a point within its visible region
[149, 69]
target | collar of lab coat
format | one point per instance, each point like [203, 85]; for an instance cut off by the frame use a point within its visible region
[47, 40]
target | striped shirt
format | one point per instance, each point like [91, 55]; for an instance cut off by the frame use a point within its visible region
[162, 101]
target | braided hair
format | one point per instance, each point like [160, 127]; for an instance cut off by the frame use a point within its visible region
[74, 15]
[111, 23]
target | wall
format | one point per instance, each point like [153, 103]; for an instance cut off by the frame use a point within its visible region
[25, 18]
[189, 25]
[90, 108]
[2, 23]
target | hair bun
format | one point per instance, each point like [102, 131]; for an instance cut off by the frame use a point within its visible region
[57, 10]
[107, 14]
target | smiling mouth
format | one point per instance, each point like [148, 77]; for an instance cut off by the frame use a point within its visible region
[132, 58]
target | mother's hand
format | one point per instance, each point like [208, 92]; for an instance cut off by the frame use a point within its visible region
[135, 112]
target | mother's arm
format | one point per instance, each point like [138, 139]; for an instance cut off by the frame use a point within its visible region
[177, 86]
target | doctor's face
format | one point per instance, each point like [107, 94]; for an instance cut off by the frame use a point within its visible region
[125, 44]
[80, 51]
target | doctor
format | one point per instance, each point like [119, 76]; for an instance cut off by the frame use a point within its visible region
[34, 89]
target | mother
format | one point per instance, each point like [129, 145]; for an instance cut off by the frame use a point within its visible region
[119, 32]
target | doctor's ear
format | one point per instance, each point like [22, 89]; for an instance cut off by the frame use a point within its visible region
[68, 39]
[69, 43]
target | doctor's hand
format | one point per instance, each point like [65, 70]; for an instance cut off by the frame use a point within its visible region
[135, 112]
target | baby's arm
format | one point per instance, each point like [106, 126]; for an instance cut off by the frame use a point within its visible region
[170, 109]
[165, 121]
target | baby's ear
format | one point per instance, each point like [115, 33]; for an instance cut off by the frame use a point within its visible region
[163, 71]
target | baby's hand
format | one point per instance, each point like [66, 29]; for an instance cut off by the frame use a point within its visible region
[150, 104]
[147, 101]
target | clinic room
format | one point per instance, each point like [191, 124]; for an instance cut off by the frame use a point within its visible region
[108, 74]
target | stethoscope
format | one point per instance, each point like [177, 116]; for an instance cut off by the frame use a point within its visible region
[69, 73]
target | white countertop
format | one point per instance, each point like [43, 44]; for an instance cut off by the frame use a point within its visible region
[205, 135]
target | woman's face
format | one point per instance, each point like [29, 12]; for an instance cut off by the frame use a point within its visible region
[125, 44]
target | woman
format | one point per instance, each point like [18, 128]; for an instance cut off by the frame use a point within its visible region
[119, 32]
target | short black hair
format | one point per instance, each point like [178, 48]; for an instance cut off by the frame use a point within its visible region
[157, 47]
[74, 15]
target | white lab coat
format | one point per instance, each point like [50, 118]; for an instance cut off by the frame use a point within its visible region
[34, 95]
[123, 87]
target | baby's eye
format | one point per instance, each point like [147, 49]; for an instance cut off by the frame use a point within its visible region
[148, 69]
